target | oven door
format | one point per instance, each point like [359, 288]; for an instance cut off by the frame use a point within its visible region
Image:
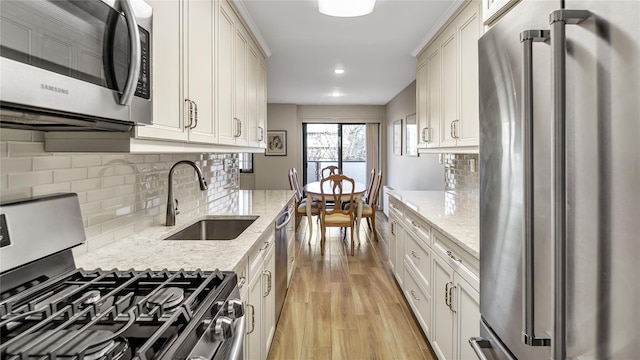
[89, 58]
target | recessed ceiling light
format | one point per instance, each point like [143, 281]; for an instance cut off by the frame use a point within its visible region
[346, 8]
[339, 71]
[336, 94]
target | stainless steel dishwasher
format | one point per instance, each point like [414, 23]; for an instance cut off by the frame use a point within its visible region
[282, 234]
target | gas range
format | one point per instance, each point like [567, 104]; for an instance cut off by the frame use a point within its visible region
[49, 309]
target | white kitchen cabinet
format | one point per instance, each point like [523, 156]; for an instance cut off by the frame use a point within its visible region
[260, 309]
[183, 72]
[442, 333]
[396, 239]
[457, 301]
[241, 83]
[447, 86]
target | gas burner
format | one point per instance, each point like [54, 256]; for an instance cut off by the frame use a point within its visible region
[91, 297]
[167, 298]
[96, 344]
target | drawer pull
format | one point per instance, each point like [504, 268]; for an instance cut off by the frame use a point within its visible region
[413, 252]
[266, 245]
[414, 224]
[243, 280]
[450, 254]
[253, 318]
[413, 294]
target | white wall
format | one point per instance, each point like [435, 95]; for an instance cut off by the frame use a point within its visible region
[406, 172]
[271, 171]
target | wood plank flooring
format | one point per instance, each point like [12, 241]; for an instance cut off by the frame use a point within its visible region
[346, 307]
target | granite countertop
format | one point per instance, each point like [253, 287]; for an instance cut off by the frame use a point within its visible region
[452, 215]
[146, 249]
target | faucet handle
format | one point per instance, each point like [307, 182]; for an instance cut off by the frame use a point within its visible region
[177, 211]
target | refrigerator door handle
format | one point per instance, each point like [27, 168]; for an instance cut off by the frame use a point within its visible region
[477, 343]
[558, 19]
[527, 38]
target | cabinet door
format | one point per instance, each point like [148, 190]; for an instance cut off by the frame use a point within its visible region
[253, 65]
[254, 317]
[467, 304]
[449, 50]
[225, 71]
[434, 96]
[393, 225]
[240, 84]
[442, 339]
[269, 300]
[468, 31]
[421, 102]
[168, 100]
[262, 103]
[399, 252]
[199, 60]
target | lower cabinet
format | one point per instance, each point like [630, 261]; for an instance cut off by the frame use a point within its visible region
[439, 280]
[260, 307]
[456, 299]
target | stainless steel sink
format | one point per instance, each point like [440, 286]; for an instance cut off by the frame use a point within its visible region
[218, 228]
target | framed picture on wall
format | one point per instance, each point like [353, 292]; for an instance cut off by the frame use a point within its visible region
[397, 137]
[276, 143]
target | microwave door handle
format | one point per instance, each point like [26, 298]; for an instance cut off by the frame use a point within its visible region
[134, 64]
[558, 20]
[527, 38]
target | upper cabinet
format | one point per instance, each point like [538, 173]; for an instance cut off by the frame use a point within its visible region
[209, 87]
[447, 86]
[183, 59]
[241, 83]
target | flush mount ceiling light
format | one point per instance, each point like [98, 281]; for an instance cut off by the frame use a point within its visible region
[338, 71]
[346, 8]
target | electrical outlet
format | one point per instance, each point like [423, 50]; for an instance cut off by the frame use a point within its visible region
[440, 158]
[472, 165]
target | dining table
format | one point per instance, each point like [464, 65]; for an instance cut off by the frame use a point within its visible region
[313, 192]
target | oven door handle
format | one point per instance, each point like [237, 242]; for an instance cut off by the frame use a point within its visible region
[236, 350]
[134, 66]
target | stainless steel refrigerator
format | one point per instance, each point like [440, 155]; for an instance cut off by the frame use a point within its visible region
[560, 182]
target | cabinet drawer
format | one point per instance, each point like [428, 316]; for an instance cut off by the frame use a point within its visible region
[461, 261]
[256, 256]
[419, 226]
[396, 206]
[419, 255]
[418, 299]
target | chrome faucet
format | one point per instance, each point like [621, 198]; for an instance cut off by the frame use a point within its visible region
[171, 210]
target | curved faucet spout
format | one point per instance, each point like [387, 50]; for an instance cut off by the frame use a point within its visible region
[171, 210]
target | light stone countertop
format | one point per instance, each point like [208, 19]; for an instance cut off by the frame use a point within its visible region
[146, 249]
[453, 216]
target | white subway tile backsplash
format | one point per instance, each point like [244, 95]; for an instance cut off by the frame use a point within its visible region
[86, 185]
[69, 175]
[16, 149]
[30, 178]
[51, 188]
[118, 193]
[97, 195]
[83, 161]
[10, 165]
[15, 135]
[51, 162]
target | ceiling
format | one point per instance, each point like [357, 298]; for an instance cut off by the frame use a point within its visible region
[377, 51]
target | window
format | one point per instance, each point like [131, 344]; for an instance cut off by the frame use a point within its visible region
[245, 162]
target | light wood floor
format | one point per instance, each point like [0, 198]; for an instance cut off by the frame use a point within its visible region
[344, 307]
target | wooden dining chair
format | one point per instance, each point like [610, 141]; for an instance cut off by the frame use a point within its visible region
[369, 207]
[330, 170]
[335, 216]
[372, 178]
[301, 202]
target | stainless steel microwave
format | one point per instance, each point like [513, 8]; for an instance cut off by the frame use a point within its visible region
[75, 64]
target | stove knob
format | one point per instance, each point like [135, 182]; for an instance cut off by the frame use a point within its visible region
[235, 309]
[223, 330]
